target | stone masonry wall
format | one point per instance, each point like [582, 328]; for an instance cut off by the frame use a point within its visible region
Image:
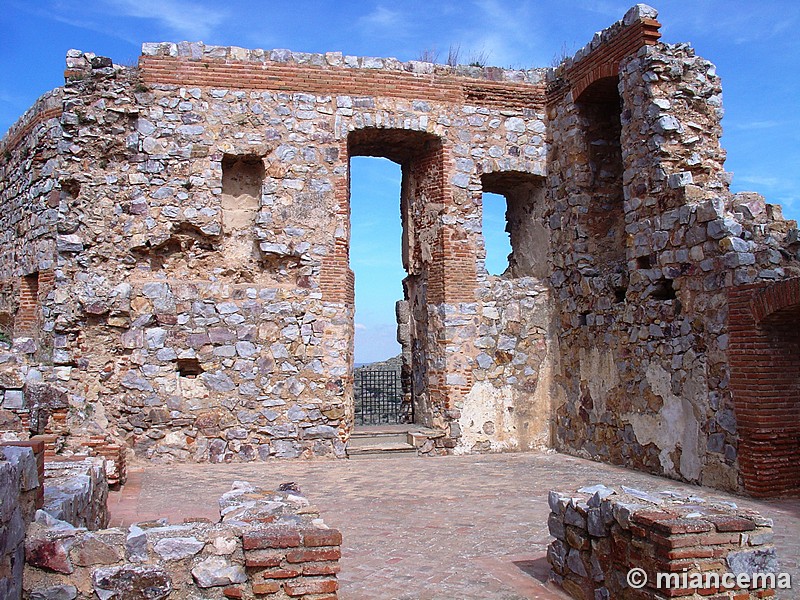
[202, 310]
[705, 549]
[267, 544]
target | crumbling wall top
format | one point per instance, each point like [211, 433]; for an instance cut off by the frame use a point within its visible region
[47, 106]
[601, 56]
[198, 51]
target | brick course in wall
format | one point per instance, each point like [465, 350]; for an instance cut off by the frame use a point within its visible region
[334, 79]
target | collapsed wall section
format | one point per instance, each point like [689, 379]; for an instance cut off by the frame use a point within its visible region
[628, 543]
[20, 485]
[266, 544]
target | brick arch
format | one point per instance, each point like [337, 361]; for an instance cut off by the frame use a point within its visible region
[780, 297]
[598, 77]
[604, 55]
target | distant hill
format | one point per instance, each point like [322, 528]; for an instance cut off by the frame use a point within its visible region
[390, 364]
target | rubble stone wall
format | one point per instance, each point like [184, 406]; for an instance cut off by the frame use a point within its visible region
[202, 314]
[29, 188]
[266, 545]
[601, 534]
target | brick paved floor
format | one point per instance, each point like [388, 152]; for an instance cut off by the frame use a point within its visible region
[450, 528]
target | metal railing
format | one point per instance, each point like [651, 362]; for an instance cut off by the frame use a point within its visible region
[378, 397]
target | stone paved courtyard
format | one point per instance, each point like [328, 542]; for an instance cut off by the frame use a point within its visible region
[469, 527]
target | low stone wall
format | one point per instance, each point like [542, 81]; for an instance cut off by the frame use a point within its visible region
[267, 544]
[607, 541]
[76, 491]
[19, 485]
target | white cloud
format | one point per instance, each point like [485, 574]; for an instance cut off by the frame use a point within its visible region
[383, 20]
[756, 125]
[760, 180]
[186, 18]
[360, 327]
[180, 17]
[741, 23]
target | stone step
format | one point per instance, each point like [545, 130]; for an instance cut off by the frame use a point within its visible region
[388, 439]
[380, 449]
[381, 439]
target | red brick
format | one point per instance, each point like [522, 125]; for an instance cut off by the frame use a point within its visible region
[267, 587]
[271, 538]
[681, 525]
[310, 586]
[688, 552]
[312, 555]
[262, 558]
[726, 523]
[279, 573]
[322, 537]
[321, 568]
[694, 539]
[232, 592]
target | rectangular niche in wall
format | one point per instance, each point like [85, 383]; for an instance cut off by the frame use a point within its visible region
[25, 319]
[529, 237]
[242, 178]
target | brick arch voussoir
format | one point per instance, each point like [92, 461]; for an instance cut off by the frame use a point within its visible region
[601, 71]
[778, 296]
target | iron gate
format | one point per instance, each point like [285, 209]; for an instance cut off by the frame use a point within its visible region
[378, 397]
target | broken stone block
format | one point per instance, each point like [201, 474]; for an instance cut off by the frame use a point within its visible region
[178, 548]
[217, 571]
[58, 592]
[132, 583]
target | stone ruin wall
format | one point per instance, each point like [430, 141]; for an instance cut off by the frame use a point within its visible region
[203, 301]
[641, 286]
[56, 541]
[187, 226]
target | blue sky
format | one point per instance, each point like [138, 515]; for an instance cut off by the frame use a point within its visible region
[754, 45]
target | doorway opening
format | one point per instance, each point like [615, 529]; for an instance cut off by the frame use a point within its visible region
[415, 165]
[375, 259]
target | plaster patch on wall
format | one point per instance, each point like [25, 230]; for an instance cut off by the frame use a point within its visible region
[535, 431]
[675, 425]
[488, 420]
[600, 375]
